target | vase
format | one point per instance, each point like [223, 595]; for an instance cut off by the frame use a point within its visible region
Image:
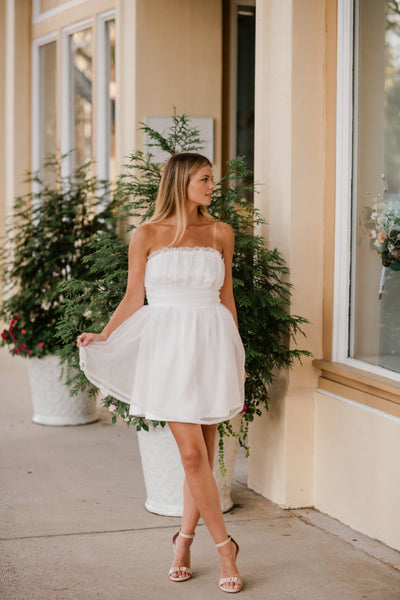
[52, 403]
[163, 472]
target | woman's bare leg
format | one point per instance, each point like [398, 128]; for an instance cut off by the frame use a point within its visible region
[203, 489]
[191, 514]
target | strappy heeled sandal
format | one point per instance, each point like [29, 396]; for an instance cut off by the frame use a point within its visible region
[187, 570]
[225, 580]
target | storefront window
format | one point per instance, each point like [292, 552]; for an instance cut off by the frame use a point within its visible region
[81, 79]
[375, 272]
[245, 85]
[47, 137]
[107, 91]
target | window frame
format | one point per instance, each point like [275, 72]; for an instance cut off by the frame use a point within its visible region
[102, 121]
[66, 141]
[345, 185]
[36, 111]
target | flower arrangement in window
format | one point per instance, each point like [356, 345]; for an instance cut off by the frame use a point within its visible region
[382, 223]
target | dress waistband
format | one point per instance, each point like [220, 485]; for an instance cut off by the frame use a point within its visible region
[169, 297]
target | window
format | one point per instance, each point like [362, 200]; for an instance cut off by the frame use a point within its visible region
[246, 43]
[73, 111]
[80, 109]
[375, 244]
[106, 96]
[44, 102]
[242, 35]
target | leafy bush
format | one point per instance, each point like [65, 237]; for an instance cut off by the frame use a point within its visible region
[46, 243]
[261, 291]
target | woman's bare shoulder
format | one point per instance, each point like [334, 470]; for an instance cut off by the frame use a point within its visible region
[143, 237]
[224, 232]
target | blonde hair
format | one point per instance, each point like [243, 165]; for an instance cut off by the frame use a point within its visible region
[172, 193]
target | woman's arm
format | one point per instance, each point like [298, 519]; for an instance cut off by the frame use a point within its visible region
[134, 295]
[227, 239]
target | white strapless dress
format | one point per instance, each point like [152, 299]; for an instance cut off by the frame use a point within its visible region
[180, 357]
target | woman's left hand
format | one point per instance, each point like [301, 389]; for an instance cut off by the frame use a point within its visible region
[85, 338]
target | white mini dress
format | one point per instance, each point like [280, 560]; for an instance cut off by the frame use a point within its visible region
[180, 357]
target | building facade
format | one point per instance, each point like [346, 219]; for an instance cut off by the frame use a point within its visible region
[309, 90]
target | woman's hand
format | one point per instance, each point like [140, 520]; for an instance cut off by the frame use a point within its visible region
[85, 338]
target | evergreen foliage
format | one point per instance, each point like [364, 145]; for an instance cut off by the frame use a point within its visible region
[261, 290]
[46, 242]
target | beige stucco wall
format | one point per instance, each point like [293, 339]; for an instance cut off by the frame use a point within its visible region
[290, 157]
[356, 475]
[46, 5]
[178, 61]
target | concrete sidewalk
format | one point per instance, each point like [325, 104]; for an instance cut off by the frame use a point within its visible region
[73, 525]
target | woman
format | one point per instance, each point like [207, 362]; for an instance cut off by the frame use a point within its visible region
[179, 358]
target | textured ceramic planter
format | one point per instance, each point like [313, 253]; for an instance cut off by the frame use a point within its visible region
[52, 404]
[164, 475]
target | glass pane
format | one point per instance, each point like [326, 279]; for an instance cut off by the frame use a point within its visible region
[112, 93]
[48, 120]
[246, 44]
[82, 78]
[375, 282]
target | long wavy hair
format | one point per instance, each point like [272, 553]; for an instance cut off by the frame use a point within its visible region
[172, 193]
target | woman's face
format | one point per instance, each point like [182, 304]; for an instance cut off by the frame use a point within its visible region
[200, 187]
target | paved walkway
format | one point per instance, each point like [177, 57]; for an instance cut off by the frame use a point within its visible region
[74, 527]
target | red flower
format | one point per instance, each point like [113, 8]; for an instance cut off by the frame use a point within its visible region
[23, 330]
[30, 352]
[22, 347]
[244, 409]
[41, 344]
[13, 322]
[11, 330]
[4, 335]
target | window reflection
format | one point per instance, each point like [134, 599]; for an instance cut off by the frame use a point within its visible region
[47, 106]
[375, 281]
[112, 92]
[82, 78]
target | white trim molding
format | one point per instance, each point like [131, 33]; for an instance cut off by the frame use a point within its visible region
[38, 16]
[344, 161]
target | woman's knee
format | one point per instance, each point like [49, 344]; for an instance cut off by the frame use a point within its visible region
[193, 458]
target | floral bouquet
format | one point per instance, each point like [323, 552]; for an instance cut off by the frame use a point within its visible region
[382, 223]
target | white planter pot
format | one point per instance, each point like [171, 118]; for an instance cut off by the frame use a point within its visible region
[52, 404]
[164, 475]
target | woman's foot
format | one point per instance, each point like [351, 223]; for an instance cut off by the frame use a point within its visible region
[230, 579]
[180, 570]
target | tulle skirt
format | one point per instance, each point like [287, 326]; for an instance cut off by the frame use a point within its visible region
[172, 363]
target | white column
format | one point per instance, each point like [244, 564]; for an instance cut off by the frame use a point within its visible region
[289, 164]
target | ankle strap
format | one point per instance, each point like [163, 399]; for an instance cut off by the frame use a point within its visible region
[187, 535]
[228, 539]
